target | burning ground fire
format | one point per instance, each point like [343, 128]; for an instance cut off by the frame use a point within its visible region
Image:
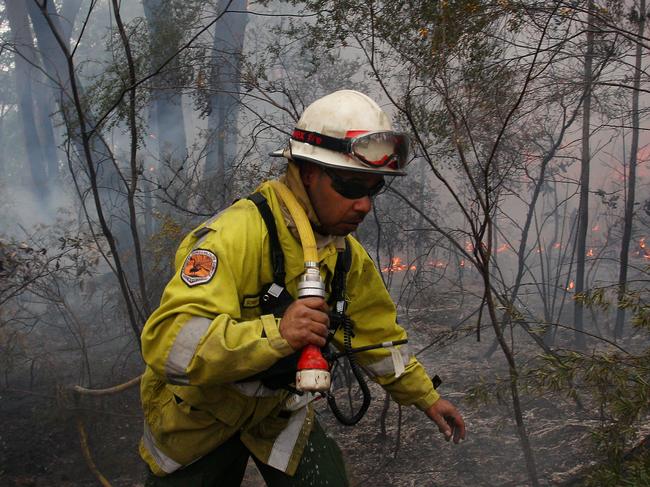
[643, 250]
[398, 265]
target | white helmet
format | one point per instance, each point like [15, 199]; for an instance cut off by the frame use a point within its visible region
[348, 130]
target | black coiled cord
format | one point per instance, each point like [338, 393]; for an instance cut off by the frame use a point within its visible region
[365, 391]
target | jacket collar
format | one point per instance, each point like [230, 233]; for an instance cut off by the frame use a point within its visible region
[293, 181]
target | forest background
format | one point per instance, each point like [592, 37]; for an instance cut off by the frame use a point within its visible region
[515, 249]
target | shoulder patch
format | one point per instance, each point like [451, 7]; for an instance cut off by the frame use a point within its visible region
[199, 267]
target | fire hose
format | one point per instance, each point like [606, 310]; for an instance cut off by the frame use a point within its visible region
[313, 371]
[83, 436]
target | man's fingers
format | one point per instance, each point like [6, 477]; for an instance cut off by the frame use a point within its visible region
[457, 426]
[319, 329]
[314, 333]
[458, 435]
[318, 340]
[449, 421]
[313, 310]
[305, 322]
[443, 427]
[319, 316]
[315, 303]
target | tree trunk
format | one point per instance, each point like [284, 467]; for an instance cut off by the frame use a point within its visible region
[55, 83]
[167, 100]
[512, 368]
[53, 60]
[631, 176]
[583, 209]
[224, 82]
[25, 58]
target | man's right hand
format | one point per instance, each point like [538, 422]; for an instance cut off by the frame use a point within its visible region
[305, 322]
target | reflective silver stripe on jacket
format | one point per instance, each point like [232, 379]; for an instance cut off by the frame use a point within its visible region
[297, 401]
[165, 463]
[286, 441]
[254, 388]
[184, 348]
[385, 366]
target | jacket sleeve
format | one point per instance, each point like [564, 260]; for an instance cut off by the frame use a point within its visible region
[374, 316]
[197, 335]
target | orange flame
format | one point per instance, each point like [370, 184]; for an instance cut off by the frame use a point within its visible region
[571, 285]
[590, 253]
[396, 265]
[557, 245]
[643, 250]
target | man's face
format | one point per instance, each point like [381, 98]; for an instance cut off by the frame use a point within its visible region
[338, 214]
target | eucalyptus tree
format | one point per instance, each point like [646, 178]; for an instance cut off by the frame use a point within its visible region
[37, 89]
[638, 15]
[167, 26]
[24, 62]
[224, 95]
[585, 166]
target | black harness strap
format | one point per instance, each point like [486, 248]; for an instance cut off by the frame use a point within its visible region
[277, 256]
[337, 300]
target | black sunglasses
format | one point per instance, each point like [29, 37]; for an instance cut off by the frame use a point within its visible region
[352, 189]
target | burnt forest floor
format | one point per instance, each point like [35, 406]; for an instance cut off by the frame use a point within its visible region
[40, 440]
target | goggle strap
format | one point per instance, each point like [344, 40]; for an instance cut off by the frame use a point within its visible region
[321, 140]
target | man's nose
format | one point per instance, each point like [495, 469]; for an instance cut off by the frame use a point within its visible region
[363, 204]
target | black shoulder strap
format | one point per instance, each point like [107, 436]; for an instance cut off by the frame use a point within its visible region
[277, 256]
[343, 262]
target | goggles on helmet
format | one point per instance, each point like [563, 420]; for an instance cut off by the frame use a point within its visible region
[373, 149]
[352, 189]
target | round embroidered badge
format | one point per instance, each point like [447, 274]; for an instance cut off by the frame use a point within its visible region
[199, 267]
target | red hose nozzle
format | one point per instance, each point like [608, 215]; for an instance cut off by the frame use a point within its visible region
[312, 358]
[312, 373]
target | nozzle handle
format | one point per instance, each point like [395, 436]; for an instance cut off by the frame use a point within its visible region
[313, 373]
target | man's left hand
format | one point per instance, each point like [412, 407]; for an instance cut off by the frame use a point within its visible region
[450, 422]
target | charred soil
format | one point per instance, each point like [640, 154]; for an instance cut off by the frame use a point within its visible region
[40, 440]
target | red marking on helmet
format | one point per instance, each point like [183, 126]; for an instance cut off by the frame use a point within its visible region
[315, 139]
[350, 134]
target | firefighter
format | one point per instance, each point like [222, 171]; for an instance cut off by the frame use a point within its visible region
[206, 405]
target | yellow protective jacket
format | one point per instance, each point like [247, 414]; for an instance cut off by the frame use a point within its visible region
[207, 334]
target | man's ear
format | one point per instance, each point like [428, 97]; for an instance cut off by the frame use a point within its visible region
[308, 173]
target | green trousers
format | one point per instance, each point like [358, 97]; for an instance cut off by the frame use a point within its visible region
[321, 465]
